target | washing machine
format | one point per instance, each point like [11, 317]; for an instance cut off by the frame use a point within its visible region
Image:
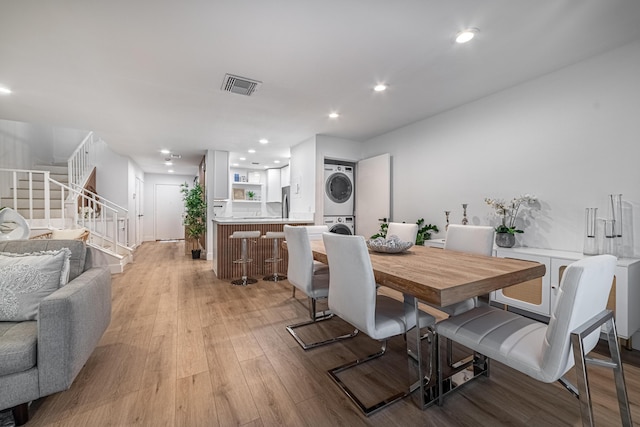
[340, 224]
[338, 190]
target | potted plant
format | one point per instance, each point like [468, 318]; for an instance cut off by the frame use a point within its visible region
[424, 231]
[251, 195]
[508, 212]
[195, 215]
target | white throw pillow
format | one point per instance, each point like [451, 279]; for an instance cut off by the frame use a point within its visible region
[26, 279]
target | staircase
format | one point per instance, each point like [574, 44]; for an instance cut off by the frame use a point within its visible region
[44, 198]
[33, 207]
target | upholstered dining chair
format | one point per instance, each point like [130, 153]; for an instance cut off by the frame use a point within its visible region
[547, 352]
[305, 274]
[353, 297]
[405, 232]
[473, 239]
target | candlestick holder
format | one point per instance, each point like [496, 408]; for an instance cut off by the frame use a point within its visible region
[465, 221]
[446, 214]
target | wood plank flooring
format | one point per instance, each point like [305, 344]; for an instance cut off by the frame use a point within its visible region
[187, 349]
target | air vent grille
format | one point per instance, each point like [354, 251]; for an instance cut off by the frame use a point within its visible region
[239, 85]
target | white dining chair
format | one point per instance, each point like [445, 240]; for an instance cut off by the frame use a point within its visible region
[547, 352]
[304, 274]
[405, 232]
[473, 239]
[353, 298]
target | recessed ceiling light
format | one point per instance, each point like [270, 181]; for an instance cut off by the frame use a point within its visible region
[264, 141]
[5, 90]
[170, 171]
[168, 163]
[243, 159]
[380, 87]
[235, 164]
[276, 161]
[334, 115]
[165, 151]
[466, 35]
[251, 150]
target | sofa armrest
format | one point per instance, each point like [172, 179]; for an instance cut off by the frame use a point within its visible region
[71, 322]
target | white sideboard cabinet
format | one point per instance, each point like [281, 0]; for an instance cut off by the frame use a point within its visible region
[539, 296]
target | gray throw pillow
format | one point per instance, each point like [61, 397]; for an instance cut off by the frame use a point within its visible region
[26, 279]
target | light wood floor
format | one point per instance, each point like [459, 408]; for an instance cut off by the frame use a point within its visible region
[186, 349]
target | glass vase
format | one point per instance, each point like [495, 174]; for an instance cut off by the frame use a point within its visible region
[590, 222]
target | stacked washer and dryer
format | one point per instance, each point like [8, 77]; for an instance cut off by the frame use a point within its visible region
[339, 198]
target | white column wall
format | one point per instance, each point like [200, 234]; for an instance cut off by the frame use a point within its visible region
[570, 137]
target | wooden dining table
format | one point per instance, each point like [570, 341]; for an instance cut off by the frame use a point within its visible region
[441, 278]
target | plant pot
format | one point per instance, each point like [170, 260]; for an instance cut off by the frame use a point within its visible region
[505, 240]
[195, 253]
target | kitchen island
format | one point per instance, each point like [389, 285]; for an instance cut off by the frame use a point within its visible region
[226, 250]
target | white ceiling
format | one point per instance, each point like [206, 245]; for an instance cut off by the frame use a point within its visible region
[146, 74]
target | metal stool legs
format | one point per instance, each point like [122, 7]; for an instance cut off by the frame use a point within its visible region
[244, 259]
[275, 256]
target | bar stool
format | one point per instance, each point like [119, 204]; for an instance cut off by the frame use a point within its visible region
[244, 260]
[275, 256]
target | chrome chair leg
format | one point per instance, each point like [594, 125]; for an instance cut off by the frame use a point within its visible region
[315, 318]
[615, 363]
[367, 410]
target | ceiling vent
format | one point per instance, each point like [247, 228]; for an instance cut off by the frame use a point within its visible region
[239, 85]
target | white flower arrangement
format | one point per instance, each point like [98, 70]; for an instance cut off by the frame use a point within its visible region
[508, 211]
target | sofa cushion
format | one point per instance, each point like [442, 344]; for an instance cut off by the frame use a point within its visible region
[78, 251]
[17, 346]
[25, 279]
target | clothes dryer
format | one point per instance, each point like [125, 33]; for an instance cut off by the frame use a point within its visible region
[340, 224]
[338, 190]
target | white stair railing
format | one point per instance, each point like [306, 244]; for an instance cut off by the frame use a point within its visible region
[107, 222]
[83, 159]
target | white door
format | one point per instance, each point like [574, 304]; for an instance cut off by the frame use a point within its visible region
[139, 213]
[168, 212]
[373, 194]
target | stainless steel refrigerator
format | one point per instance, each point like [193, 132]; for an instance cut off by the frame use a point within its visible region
[285, 202]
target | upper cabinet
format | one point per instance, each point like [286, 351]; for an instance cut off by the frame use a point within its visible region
[274, 189]
[285, 176]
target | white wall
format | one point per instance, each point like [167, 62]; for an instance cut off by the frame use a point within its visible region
[15, 152]
[150, 182]
[570, 137]
[303, 171]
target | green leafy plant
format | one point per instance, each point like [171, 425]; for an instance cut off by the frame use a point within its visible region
[251, 195]
[195, 211]
[424, 231]
[382, 232]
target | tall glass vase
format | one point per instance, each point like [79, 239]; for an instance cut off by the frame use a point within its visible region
[615, 205]
[615, 214]
[590, 242]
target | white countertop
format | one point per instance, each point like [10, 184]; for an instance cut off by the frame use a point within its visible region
[261, 220]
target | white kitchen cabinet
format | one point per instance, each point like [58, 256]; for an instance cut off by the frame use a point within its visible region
[274, 189]
[285, 176]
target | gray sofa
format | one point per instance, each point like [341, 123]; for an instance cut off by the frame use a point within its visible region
[38, 358]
